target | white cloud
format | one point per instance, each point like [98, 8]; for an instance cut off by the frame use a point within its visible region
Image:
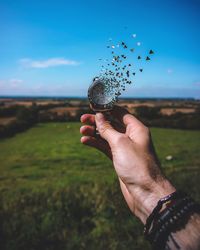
[51, 62]
[15, 81]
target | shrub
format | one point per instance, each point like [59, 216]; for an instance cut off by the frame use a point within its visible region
[148, 112]
[90, 216]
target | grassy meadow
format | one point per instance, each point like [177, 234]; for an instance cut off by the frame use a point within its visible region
[56, 193]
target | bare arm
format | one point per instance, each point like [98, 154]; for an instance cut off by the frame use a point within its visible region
[128, 144]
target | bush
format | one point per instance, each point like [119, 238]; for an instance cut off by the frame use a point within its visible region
[9, 111]
[25, 118]
[29, 115]
[86, 216]
[151, 116]
[148, 112]
[90, 216]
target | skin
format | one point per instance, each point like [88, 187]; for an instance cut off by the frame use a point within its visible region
[127, 142]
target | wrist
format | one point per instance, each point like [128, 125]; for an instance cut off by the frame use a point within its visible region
[146, 199]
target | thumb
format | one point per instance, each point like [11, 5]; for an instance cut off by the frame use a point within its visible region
[105, 129]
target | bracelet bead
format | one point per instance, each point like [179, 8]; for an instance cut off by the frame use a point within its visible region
[159, 225]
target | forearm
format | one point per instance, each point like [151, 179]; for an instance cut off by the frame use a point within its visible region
[186, 237]
[147, 197]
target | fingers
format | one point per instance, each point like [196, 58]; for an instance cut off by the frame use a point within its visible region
[98, 144]
[89, 140]
[127, 123]
[118, 112]
[105, 129]
[88, 130]
[88, 118]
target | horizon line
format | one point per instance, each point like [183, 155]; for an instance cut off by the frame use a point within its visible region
[85, 97]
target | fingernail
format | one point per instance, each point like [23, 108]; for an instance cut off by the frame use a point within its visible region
[99, 116]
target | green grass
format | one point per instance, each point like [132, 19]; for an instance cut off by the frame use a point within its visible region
[56, 193]
[183, 145]
[52, 155]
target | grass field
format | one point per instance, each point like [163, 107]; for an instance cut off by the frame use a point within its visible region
[49, 158]
[51, 154]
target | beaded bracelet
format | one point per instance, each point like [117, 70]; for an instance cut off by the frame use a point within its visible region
[157, 209]
[170, 219]
[176, 220]
[165, 215]
[167, 218]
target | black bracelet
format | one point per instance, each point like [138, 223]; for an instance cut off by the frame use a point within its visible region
[176, 221]
[157, 209]
[171, 219]
[165, 216]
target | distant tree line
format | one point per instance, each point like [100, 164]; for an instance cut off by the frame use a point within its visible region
[153, 117]
[14, 109]
[27, 117]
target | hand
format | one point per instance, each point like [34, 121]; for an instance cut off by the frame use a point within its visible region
[127, 142]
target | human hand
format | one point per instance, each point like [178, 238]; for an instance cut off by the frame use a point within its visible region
[127, 142]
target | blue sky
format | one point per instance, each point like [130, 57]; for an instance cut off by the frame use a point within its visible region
[52, 47]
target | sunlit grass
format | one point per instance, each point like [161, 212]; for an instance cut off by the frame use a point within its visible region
[56, 193]
[52, 155]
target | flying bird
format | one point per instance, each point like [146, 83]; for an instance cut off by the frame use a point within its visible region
[151, 52]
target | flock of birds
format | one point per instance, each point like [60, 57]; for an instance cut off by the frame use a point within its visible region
[119, 71]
